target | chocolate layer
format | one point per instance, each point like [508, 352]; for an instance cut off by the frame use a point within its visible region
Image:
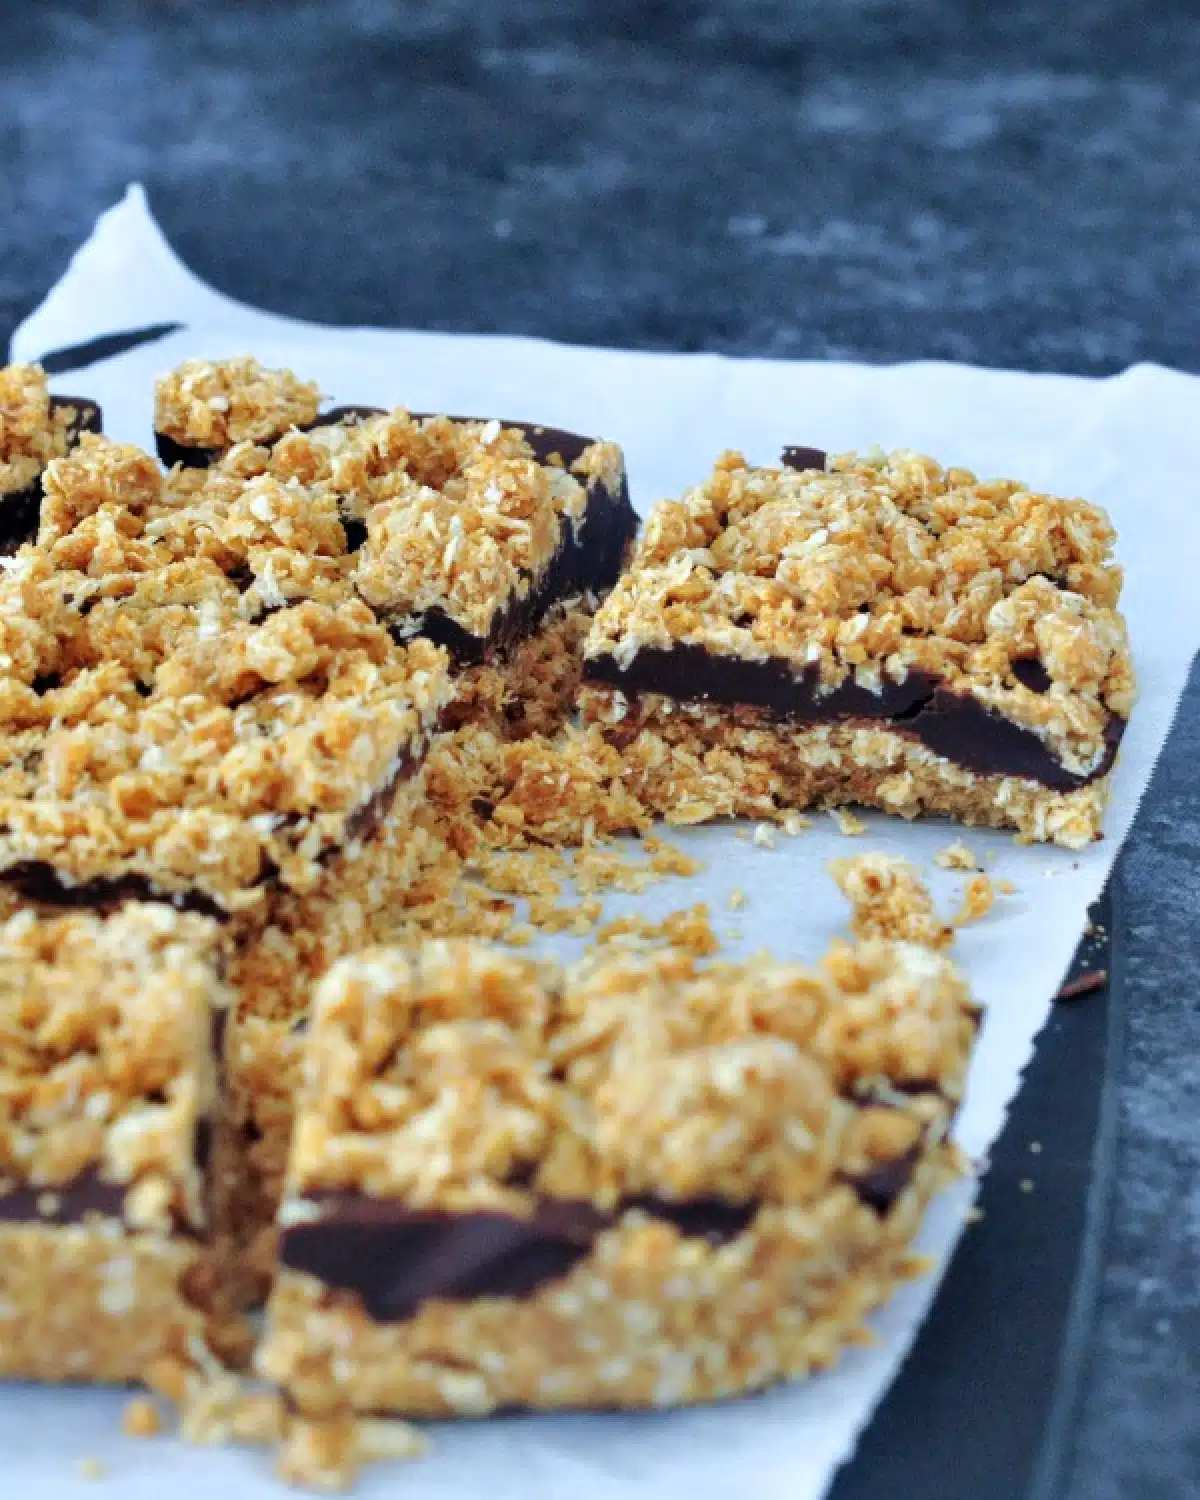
[87, 1195]
[37, 881]
[882, 1185]
[395, 1258]
[21, 510]
[953, 725]
[90, 1194]
[804, 458]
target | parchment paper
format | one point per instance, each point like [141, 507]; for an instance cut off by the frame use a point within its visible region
[1127, 442]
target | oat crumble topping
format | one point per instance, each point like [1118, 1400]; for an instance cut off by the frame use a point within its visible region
[32, 430]
[214, 404]
[632, 1072]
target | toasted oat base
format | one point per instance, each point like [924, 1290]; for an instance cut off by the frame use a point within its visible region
[693, 762]
[93, 1301]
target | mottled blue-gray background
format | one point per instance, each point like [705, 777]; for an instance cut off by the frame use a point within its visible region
[859, 178]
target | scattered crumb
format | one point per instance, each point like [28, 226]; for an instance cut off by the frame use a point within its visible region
[669, 859]
[215, 1404]
[737, 899]
[689, 931]
[92, 1468]
[978, 895]
[141, 1418]
[956, 856]
[764, 836]
[1027, 1184]
[520, 937]
[795, 823]
[849, 824]
[889, 900]
[1036, 1147]
[327, 1453]
[1005, 888]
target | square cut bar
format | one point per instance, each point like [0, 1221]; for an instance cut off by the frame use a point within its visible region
[161, 736]
[107, 1093]
[637, 1183]
[35, 429]
[468, 531]
[871, 629]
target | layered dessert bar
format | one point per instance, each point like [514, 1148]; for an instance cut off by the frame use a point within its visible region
[161, 736]
[203, 408]
[35, 429]
[473, 533]
[108, 1087]
[635, 1183]
[871, 629]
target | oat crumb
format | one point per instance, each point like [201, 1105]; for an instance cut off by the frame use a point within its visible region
[141, 1418]
[1005, 888]
[850, 825]
[978, 896]
[737, 899]
[795, 823]
[889, 900]
[764, 836]
[956, 856]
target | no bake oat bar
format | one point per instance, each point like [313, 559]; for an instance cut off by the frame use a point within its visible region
[872, 629]
[634, 1183]
[162, 737]
[107, 1093]
[466, 531]
[35, 429]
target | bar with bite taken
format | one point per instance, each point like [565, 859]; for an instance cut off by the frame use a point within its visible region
[634, 1183]
[108, 1090]
[870, 629]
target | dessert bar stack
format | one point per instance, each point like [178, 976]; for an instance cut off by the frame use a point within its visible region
[461, 1180]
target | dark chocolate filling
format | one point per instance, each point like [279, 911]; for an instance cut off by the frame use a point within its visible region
[21, 510]
[396, 1258]
[879, 1187]
[37, 881]
[953, 725]
[804, 458]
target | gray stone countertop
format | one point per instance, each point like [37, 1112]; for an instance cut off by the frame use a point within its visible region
[1008, 185]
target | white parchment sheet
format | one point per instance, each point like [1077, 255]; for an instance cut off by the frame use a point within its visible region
[1128, 443]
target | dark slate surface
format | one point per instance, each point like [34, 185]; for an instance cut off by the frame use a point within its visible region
[854, 178]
